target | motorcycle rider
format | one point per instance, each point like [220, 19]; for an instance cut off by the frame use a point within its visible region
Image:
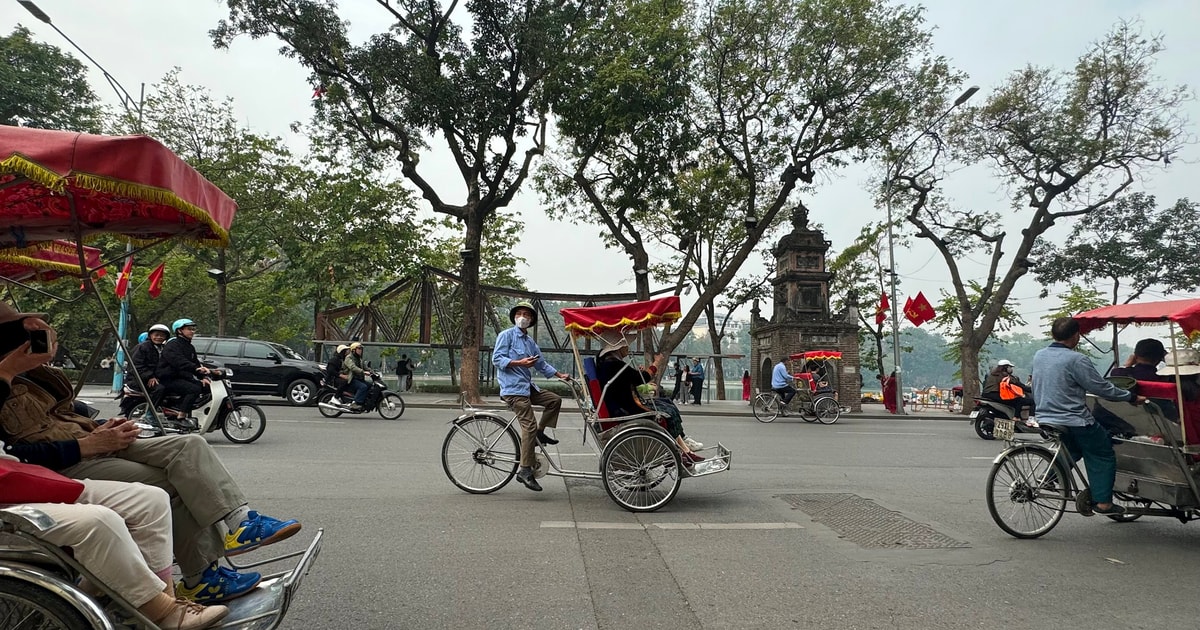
[333, 369]
[144, 359]
[179, 371]
[356, 375]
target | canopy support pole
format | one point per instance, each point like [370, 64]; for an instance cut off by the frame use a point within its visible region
[1178, 385]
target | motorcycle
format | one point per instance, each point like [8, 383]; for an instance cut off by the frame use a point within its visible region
[335, 401]
[242, 422]
[983, 417]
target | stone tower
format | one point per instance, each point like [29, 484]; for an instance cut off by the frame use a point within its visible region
[801, 320]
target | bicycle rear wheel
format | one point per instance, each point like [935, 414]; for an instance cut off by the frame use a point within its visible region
[1027, 492]
[766, 407]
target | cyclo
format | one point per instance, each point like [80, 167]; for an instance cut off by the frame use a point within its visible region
[57, 185]
[1034, 480]
[814, 401]
[640, 464]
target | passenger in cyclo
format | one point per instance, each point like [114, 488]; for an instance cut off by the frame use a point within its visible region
[120, 532]
[620, 383]
[354, 372]
[515, 355]
[1187, 364]
[1003, 386]
[211, 517]
[179, 370]
[781, 383]
[1064, 378]
[1142, 365]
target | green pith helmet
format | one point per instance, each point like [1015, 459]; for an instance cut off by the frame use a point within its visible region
[512, 313]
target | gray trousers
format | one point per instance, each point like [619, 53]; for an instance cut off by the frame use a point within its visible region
[202, 491]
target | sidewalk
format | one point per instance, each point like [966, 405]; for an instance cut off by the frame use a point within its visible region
[725, 408]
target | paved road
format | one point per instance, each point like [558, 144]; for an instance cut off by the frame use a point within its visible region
[741, 549]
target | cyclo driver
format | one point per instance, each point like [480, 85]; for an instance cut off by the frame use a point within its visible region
[179, 371]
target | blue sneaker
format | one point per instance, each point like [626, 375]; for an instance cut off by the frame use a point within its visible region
[257, 531]
[218, 584]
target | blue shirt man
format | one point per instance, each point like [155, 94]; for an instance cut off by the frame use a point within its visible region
[697, 376]
[1064, 378]
[515, 355]
[781, 382]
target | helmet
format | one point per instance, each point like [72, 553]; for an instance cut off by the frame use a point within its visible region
[342, 348]
[512, 312]
[180, 323]
[143, 337]
[160, 328]
[1004, 362]
[355, 346]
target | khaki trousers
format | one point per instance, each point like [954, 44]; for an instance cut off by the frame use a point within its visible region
[201, 489]
[522, 406]
[121, 532]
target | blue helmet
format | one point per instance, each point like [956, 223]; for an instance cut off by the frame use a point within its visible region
[143, 337]
[180, 323]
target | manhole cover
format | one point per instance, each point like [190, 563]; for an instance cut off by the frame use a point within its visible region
[868, 524]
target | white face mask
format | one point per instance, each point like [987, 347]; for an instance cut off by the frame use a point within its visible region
[523, 322]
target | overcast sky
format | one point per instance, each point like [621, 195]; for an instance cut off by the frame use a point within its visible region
[141, 40]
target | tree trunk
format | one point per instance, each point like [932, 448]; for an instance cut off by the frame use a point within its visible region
[970, 373]
[718, 365]
[472, 306]
[222, 312]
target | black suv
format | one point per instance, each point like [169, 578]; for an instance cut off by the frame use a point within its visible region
[263, 368]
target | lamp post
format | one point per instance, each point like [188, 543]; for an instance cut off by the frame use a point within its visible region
[131, 107]
[962, 98]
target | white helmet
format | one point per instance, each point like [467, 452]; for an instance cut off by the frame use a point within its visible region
[161, 328]
[1005, 362]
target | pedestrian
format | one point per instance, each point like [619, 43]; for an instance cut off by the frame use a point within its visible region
[682, 382]
[404, 373]
[1065, 377]
[746, 385]
[697, 375]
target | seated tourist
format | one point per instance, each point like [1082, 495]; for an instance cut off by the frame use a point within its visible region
[1187, 364]
[1143, 363]
[619, 382]
[210, 515]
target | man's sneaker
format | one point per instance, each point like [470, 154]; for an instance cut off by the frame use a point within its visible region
[256, 531]
[692, 444]
[218, 584]
[355, 407]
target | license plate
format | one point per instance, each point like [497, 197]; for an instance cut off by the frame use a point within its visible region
[1004, 429]
[974, 414]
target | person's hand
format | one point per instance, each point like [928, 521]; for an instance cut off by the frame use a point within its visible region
[1129, 361]
[114, 435]
[526, 362]
[202, 370]
[20, 361]
[1139, 400]
[562, 376]
[153, 382]
[206, 381]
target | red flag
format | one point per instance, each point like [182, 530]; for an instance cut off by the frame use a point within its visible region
[319, 91]
[880, 313]
[156, 278]
[910, 312]
[924, 308]
[123, 279]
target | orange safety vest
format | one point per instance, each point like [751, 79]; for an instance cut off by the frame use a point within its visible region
[1010, 390]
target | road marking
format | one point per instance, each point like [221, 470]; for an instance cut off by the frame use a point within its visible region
[577, 455]
[225, 445]
[987, 457]
[309, 421]
[882, 433]
[666, 526]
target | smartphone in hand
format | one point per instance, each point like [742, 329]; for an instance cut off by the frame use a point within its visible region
[39, 342]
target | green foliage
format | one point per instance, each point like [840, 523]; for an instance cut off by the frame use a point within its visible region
[859, 281]
[42, 86]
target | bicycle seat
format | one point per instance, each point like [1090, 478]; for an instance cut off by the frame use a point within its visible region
[1052, 432]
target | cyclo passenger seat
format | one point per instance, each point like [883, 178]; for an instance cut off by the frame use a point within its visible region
[595, 389]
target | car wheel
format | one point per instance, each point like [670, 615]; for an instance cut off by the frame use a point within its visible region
[301, 392]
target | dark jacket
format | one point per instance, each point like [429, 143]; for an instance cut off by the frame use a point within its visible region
[621, 398]
[177, 361]
[145, 359]
[332, 370]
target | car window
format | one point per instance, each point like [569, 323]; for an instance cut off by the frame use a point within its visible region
[287, 352]
[224, 348]
[201, 345]
[259, 351]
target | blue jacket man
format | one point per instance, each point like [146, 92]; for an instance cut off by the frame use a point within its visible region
[1064, 378]
[697, 376]
[515, 356]
[781, 382]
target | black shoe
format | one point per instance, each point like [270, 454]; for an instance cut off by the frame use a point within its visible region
[1109, 511]
[542, 438]
[525, 476]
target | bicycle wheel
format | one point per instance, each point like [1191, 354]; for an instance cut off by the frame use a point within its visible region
[827, 410]
[640, 470]
[766, 407]
[25, 605]
[391, 406]
[1027, 492]
[480, 454]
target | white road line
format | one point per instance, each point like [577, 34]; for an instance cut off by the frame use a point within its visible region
[882, 433]
[666, 526]
[225, 445]
[309, 421]
[987, 457]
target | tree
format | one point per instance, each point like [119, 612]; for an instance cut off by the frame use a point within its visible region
[425, 77]
[949, 318]
[1134, 244]
[788, 89]
[1064, 144]
[42, 86]
[859, 281]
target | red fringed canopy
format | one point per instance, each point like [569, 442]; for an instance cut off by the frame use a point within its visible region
[45, 261]
[628, 316]
[816, 355]
[1186, 313]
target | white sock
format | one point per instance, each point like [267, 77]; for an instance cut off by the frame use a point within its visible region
[235, 518]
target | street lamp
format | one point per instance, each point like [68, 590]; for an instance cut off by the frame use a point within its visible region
[131, 107]
[962, 98]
